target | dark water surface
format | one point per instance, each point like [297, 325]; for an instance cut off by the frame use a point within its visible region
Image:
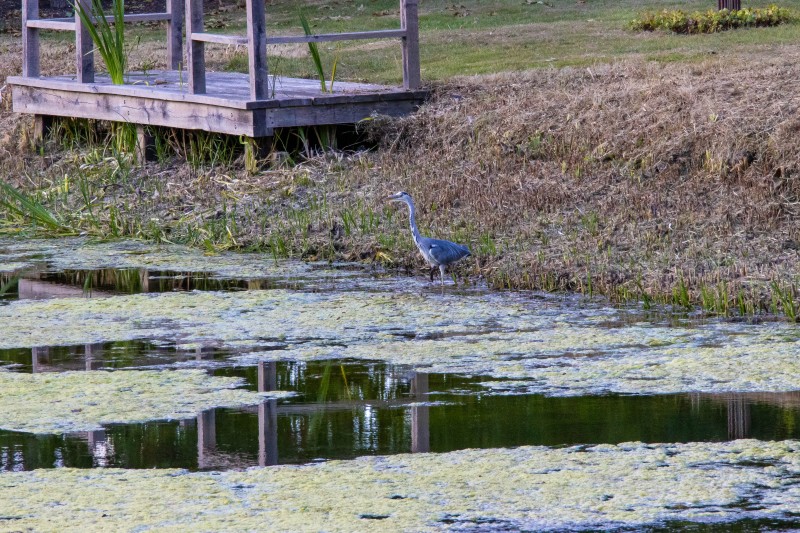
[345, 409]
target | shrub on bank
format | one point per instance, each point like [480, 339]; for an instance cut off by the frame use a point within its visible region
[712, 21]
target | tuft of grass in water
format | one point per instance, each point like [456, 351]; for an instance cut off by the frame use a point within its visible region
[783, 300]
[109, 42]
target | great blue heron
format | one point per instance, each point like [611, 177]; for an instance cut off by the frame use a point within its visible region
[437, 252]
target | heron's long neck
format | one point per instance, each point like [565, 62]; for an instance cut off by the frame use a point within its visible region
[412, 219]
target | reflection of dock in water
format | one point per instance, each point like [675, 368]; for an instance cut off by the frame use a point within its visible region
[739, 407]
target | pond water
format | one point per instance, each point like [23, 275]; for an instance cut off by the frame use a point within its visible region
[443, 370]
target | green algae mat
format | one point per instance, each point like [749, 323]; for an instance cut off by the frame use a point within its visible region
[557, 352]
[527, 488]
[67, 402]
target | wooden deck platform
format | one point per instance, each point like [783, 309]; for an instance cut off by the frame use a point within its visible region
[188, 97]
[162, 98]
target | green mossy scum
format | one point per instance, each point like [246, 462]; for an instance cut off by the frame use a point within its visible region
[85, 401]
[558, 350]
[597, 487]
[82, 254]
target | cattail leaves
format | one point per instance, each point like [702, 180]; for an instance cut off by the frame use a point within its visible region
[109, 41]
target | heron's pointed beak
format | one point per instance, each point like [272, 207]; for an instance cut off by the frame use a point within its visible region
[392, 198]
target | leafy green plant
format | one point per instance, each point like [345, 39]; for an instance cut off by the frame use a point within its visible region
[712, 21]
[315, 56]
[109, 42]
[19, 203]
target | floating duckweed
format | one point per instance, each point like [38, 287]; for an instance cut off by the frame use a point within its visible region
[526, 488]
[84, 401]
[80, 253]
[470, 334]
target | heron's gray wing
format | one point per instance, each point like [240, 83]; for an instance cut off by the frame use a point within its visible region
[446, 252]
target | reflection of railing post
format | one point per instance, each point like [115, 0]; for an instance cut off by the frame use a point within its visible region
[97, 440]
[206, 436]
[36, 355]
[420, 415]
[267, 415]
[738, 418]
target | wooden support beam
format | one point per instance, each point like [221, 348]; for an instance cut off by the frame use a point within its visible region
[176, 11]
[195, 50]
[145, 145]
[257, 49]
[330, 37]
[217, 38]
[84, 48]
[53, 24]
[409, 19]
[42, 125]
[30, 39]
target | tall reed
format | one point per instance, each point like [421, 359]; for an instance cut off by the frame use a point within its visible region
[108, 41]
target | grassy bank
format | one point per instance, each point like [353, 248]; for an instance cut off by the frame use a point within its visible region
[637, 177]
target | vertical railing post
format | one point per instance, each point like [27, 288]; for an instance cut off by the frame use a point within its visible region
[30, 39]
[257, 49]
[195, 50]
[84, 55]
[409, 21]
[175, 33]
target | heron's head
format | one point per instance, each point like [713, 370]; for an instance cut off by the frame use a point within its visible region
[401, 196]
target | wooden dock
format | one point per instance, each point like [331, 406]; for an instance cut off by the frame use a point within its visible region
[252, 104]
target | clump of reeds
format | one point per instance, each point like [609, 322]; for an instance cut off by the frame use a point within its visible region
[108, 38]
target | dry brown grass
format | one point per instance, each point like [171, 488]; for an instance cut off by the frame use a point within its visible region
[627, 179]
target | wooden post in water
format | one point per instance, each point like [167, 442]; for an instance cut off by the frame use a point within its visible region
[195, 50]
[176, 10]
[30, 39]
[409, 22]
[84, 55]
[257, 49]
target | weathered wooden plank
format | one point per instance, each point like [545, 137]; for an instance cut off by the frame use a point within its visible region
[285, 117]
[217, 38]
[175, 9]
[84, 48]
[30, 39]
[257, 49]
[175, 94]
[195, 50]
[144, 17]
[409, 20]
[148, 111]
[328, 37]
[52, 24]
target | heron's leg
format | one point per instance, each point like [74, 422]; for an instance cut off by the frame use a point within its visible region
[433, 269]
[441, 273]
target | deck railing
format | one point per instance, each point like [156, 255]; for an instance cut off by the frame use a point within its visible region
[256, 41]
[84, 55]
